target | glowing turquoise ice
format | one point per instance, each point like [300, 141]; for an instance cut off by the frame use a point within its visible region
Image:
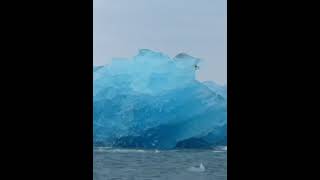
[154, 101]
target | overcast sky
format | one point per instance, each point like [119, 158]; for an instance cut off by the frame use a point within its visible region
[196, 27]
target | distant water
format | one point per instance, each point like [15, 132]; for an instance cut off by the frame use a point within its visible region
[124, 164]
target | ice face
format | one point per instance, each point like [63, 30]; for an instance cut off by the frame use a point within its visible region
[154, 101]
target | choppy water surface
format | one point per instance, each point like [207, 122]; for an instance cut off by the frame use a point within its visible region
[124, 164]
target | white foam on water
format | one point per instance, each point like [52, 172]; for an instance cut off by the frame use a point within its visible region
[101, 149]
[218, 151]
[201, 168]
[125, 150]
[110, 149]
[221, 148]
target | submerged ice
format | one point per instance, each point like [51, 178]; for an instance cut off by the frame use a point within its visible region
[154, 101]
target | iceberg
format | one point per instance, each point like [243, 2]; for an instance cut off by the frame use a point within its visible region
[153, 101]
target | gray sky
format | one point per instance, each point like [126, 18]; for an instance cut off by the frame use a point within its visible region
[196, 27]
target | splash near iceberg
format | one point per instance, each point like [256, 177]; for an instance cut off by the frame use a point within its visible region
[154, 101]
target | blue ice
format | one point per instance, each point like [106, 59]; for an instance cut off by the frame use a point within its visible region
[154, 101]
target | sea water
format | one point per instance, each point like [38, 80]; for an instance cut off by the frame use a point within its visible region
[138, 164]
